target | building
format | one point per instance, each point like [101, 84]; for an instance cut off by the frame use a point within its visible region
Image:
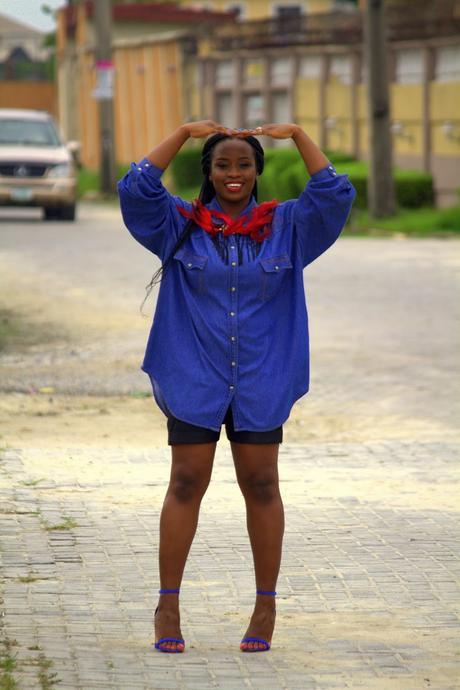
[26, 67]
[271, 60]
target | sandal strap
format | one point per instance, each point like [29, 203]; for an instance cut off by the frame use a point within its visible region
[169, 591]
[266, 592]
[170, 639]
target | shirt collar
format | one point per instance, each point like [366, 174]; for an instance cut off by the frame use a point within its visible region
[215, 206]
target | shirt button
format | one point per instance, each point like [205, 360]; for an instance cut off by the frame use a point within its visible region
[277, 268]
[232, 246]
[233, 288]
[139, 169]
[233, 364]
[232, 337]
[232, 313]
[233, 263]
[231, 387]
[189, 265]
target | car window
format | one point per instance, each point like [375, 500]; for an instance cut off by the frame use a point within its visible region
[28, 133]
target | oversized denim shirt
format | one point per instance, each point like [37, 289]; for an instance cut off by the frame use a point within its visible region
[232, 328]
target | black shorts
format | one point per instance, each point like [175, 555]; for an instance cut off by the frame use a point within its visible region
[183, 432]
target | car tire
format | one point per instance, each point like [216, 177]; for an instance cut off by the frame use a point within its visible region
[51, 213]
[68, 212]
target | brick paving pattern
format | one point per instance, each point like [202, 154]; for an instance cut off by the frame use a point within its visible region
[368, 591]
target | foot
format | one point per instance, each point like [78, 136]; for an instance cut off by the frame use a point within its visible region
[261, 624]
[167, 623]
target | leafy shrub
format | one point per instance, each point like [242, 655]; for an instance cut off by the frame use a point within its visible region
[284, 177]
[186, 168]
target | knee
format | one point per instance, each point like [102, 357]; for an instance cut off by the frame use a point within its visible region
[185, 486]
[260, 488]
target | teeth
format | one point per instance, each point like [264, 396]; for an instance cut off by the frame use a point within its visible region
[234, 185]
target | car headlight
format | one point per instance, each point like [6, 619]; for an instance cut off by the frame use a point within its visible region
[61, 170]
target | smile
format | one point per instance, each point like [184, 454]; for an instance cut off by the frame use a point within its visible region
[234, 186]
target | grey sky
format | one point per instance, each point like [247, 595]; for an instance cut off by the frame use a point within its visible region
[29, 12]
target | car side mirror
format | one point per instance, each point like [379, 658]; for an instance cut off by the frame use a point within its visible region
[74, 147]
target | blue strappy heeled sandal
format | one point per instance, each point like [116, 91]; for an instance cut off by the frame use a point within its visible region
[163, 640]
[261, 640]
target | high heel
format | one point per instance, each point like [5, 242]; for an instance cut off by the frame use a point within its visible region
[163, 640]
[260, 640]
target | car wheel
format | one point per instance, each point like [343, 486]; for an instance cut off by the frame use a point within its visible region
[68, 212]
[51, 213]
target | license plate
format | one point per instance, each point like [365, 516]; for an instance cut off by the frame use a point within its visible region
[21, 194]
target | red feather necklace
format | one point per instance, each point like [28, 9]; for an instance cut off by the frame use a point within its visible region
[256, 223]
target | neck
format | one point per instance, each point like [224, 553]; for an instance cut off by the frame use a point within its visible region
[233, 209]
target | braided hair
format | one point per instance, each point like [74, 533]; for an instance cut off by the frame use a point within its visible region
[207, 193]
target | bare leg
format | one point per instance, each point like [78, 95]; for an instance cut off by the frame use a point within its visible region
[190, 475]
[257, 473]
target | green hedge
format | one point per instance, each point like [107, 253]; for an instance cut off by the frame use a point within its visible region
[186, 168]
[413, 188]
[285, 177]
[186, 165]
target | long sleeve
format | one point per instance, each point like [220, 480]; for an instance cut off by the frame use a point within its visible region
[321, 211]
[149, 211]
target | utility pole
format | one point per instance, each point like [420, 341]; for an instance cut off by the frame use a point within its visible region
[380, 186]
[104, 93]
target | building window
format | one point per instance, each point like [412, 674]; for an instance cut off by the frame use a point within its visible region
[341, 70]
[448, 64]
[225, 73]
[254, 111]
[281, 107]
[281, 72]
[310, 66]
[225, 110]
[254, 71]
[287, 11]
[409, 66]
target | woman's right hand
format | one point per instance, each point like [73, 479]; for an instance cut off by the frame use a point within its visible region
[204, 128]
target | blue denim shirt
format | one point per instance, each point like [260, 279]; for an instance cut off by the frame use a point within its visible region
[231, 328]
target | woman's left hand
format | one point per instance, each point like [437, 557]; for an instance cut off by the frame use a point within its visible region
[281, 131]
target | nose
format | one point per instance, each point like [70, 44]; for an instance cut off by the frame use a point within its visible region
[233, 172]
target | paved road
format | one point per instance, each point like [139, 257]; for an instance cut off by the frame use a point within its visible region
[368, 592]
[384, 317]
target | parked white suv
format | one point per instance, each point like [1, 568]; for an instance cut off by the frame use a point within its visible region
[36, 168]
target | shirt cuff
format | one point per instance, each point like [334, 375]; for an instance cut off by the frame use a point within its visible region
[145, 167]
[324, 174]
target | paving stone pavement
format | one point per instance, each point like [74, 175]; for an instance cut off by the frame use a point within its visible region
[368, 590]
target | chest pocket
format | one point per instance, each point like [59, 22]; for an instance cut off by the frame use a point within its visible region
[274, 272]
[193, 269]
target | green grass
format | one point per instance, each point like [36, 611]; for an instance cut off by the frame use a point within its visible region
[422, 222]
[67, 523]
[8, 664]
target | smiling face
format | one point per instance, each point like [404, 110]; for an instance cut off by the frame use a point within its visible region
[233, 172]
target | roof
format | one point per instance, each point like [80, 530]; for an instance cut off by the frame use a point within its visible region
[158, 12]
[14, 28]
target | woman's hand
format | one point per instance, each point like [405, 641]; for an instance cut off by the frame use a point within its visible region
[204, 128]
[283, 131]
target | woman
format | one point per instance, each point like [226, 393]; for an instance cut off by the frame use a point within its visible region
[229, 340]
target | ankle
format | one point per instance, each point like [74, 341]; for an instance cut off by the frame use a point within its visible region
[265, 602]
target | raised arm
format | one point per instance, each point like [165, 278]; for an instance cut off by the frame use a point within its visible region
[162, 155]
[318, 216]
[149, 210]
